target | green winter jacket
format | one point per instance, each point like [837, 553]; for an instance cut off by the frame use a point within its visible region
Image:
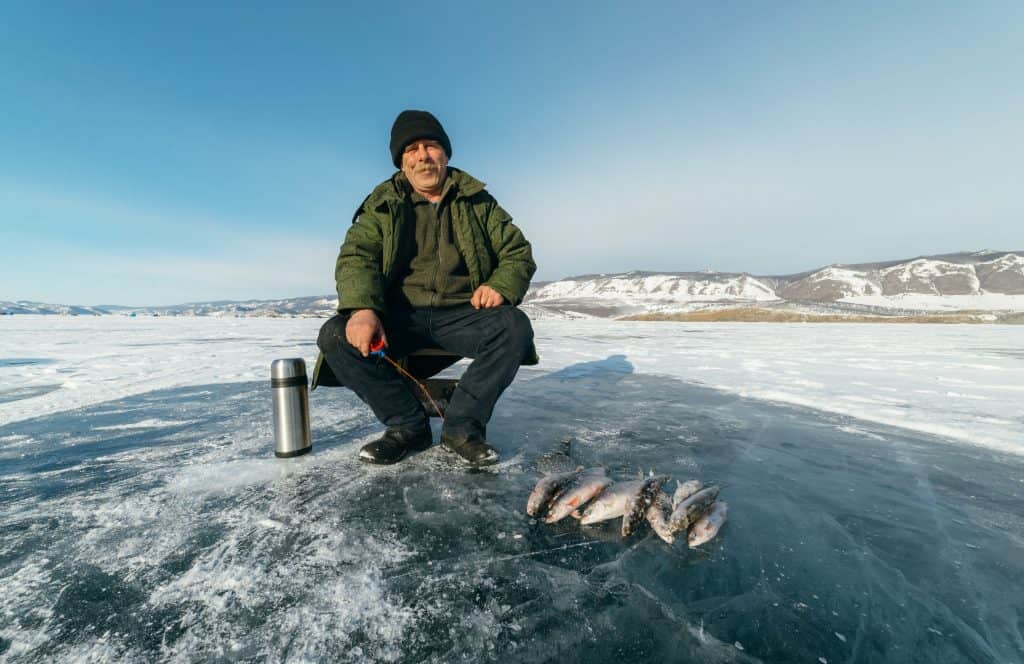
[380, 243]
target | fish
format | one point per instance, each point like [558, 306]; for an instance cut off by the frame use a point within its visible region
[691, 509]
[636, 507]
[708, 525]
[610, 503]
[546, 489]
[657, 515]
[684, 490]
[583, 489]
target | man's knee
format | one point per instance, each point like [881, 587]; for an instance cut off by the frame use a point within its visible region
[332, 335]
[519, 330]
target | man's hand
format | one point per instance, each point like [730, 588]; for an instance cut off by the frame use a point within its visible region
[486, 297]
[362, 328]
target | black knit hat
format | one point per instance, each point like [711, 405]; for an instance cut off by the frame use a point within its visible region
[412, 125]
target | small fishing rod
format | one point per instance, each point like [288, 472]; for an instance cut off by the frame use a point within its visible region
[377, 350]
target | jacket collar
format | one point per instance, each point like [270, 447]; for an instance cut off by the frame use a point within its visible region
[397, 187]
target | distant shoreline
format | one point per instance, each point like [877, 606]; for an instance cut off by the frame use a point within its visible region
[759, 315]
[727, 315]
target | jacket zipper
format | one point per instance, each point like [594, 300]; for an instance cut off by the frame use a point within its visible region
[436, 298]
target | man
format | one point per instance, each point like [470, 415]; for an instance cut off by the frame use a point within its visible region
[431, 259]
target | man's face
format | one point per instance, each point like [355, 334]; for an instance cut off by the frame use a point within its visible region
[426, 165]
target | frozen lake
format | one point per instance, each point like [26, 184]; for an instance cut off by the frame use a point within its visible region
[874, 473]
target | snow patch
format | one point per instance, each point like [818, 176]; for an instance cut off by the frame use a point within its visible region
[854, 283]
[923, 302]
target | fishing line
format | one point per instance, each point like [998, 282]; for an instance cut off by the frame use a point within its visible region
[377, 350]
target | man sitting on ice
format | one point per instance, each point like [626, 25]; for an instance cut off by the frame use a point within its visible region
[431, 260]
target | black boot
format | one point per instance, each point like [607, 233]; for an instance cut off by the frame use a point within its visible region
[395, 445]
[472, 448]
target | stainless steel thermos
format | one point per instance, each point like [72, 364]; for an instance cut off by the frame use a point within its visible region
[291, 407]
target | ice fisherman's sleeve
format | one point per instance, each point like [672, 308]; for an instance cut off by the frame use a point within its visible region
[359, 272]
[515, 266]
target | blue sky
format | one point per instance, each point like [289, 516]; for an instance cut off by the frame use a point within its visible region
[158, 153]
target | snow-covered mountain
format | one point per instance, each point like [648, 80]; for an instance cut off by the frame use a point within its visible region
[314, 306]
[645, 292]
[982, 280]
[989, 281]
[26, 307]
[986, 281]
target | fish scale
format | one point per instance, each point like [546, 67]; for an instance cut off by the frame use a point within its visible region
[657, 516]
[708, 525]
[611, 503]
[547, 489]
[585, 487]
[691, 509]
[636, 508]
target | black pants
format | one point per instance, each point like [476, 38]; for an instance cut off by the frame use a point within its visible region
[497, 339]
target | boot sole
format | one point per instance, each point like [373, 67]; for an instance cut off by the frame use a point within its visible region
[381, 462]
[489, 461]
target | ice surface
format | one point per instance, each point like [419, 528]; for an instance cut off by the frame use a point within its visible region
[143, 515]
[962, 382]
[80, 361]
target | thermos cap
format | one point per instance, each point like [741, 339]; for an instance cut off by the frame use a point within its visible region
[293, 367]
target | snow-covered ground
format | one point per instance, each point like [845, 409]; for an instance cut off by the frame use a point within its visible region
[143, 516]
[70, 362]
[962, 382]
